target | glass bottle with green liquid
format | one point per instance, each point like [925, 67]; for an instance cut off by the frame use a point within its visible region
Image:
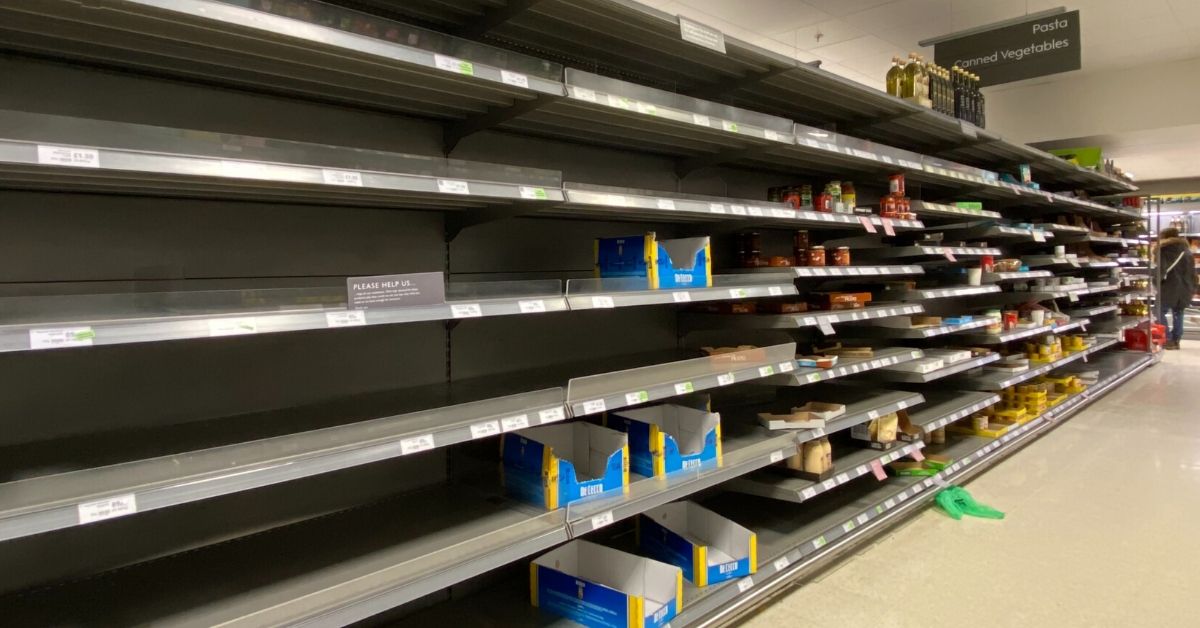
[895, 78]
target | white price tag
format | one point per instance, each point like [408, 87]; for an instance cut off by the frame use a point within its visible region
[68, 156]
[782, 213]
[729, 125]
[701, 120]
[61, 338]
[889, 504]
[585, 94]
[664, 203]
[681, 297]
[725, 380]
[603, 302]
[848, 526]
[635, 398]
[451, 64]
[615, 199]
[535, 306]
[416, 444]
[451, 186]
[901, 497]
[744, 585]
[781, 563]
[826, 328]
[864, 154]
[766, 371]
[1038, 235]
[737, 293]
[594, 406]
[776, 456]
[738, 210]
[786, 367]
[466, 310]
[551, 415]
[108, 508]
[342, 177]
[862, 519]
[349, 318]
[646, 108]
[808, 493]
[485, 429]
[601, 520]
[684, 388]
[775, 291]
[842, 478]
[701, 35]
[813, 378]
[619, 102]
[771, 135]
[533, 194]
[519, 422]
[873, 414]
[755, 211]
[232, 327]
[829, 485]
[514, 78]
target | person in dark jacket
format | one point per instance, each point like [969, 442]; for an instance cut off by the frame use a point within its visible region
[1177, 271]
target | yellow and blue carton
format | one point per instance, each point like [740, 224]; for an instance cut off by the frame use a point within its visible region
[602, 587]
[554, 465]
[668, 438]
[708, 547]
[671, 264]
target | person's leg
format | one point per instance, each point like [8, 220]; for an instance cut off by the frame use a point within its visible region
[1177, 325]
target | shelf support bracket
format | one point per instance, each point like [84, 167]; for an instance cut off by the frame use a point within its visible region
[722, 88]
[684, 167]
[455, 222]
[493, 18]
[455, 132]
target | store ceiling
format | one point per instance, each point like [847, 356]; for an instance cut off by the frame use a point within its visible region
[857, 38]
[1168, 153]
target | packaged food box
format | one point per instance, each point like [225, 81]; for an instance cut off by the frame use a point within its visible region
[919, 365]
[726, 307]
[783, 307]
[603, 587]
[668, 438]
[707, 547]
[813, 459]
[877, 431]
[811, 415]
[554, 465]
[828, 300]
[675, 263]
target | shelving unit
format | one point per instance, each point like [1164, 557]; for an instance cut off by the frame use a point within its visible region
[157, 482]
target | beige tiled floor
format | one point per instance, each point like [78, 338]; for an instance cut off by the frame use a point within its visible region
[1102, 529]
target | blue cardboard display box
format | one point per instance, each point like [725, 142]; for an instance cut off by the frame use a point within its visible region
[554, 465]
[708, 547]
[605, 588]
[669, 437]
[677, 263]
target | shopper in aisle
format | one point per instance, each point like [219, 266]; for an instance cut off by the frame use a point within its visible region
[1178, 281]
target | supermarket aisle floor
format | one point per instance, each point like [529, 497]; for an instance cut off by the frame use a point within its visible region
[1100, 530]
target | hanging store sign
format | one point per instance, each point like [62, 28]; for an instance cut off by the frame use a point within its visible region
[701, 35]
[1038, 47]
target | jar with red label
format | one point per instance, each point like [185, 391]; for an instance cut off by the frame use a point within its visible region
[792, 197]
[987, 263]
[823, 203]
[816, 256]
[1010, 319]
[841, 256]
[896, 184]
[904, 205]
[887, 206]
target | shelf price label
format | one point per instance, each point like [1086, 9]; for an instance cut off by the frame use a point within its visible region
[342, 177]
[635, 398]
[485, 429]
[889, 504]
[551, 415]
[786, 367]
[108, 508]
[738, 210]
[646, 108]
[416, 444]
[737, 293]
[518, 422]
[745, 584]
[466, 310]
[604, 302]
[813, 378]
[862, 519]
[730, 126]
[842, 478]
[889, 227]
[349, 318]
[829, 484]
[825, 327]
[452, 186]
[515, 79]
[68, 156]
[766, 371]
[243, 326]
[781, 563]
[684, 388]
[755, 211]
[726, 379]
[808, 493]
[534, 306]
[701, 120]
[61, 338]
[775, 291]
[819, 542]
[619, 102]
[594, 406]
[848, 526]
[867, 224]
[452, 64]
[602, 519]
[681, 297]
[776, 456]
[533, 193]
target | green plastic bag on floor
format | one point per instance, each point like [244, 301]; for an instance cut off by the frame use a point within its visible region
[956, 501]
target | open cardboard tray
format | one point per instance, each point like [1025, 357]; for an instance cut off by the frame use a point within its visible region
[811, 415]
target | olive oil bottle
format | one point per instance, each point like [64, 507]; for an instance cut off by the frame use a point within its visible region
[895, 78]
